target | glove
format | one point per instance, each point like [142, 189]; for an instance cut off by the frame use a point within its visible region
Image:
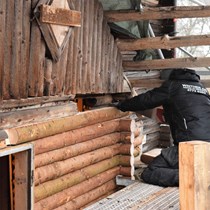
[116, 105]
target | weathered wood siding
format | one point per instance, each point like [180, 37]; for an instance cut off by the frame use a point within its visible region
[90, 62]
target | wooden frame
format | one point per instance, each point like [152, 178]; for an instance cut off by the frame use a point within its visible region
[23, 192]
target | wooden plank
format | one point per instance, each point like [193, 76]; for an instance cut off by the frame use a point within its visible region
[59, 16]
[194, 175]
[151, 13]
[21, 181]
[166, 63]
[80, 54]
[8, 48]
[99, 49]
[165, 42]
[2, 36]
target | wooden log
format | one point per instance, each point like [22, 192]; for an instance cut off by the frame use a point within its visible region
[59, 16]
[75, 150]
[127, 139]
[166, 63]
[29, 116]
[194, 175]
[125, 150]
[41, 130]
[60, 168]
[155, 13]
[125, 171]
[75, 136]
[54, 186]
[64, 196]
[86, 198]
[124, 160]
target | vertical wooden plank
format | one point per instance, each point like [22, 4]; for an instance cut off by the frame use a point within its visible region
[90, 44]
[21, 180]
[80, 49]
[111, 62]
[2, 35]
[86, 37]
[114, 69]
[194, 175]
[9, 24]
[69, 70]
[94, 46]
[23, 73]
[99, 48]
[16, 50]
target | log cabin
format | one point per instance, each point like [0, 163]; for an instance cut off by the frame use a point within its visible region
[62, 62]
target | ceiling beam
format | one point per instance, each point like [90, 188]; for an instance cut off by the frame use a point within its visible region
[150, 13]
[166, 63]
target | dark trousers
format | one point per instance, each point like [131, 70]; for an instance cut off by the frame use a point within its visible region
[164, 169]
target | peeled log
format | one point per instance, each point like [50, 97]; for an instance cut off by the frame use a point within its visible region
[36, 131]
[57, 185]
[75, 150]
[64, 196]
[58, 169]
[125, 171]
[125, 160]
[125, 150]
[137, 140]
[86, 198]
[75, 136]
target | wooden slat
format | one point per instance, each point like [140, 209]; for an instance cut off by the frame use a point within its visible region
[25, 42]
[194, 175]
[2, 36]
[150, 13]
[59, 16]
[166, 63]
[165, 42]
[8, 48]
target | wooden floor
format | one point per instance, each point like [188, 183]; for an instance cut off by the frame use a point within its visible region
[140, 196]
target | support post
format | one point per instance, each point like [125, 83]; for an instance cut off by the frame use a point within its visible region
[194, 175]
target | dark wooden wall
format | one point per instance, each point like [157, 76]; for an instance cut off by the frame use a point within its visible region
[90, 62]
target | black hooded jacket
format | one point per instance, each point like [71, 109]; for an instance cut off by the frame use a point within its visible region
[186, 105]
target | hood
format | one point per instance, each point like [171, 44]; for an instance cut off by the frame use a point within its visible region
[184, 74]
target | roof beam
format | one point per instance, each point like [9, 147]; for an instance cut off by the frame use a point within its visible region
[166, 63]
[150, 13]
[165, 42]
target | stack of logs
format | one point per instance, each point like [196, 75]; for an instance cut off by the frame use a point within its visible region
[77, 158]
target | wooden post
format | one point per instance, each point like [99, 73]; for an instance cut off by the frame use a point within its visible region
[194, 175]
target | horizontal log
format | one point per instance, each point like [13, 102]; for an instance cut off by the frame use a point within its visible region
[59, 16]
[127, 139]
[166, 63]
[57, 185]
[86, 198]
[64, 196]
[75, 150]
[58, 169]
[125, 171]
[75, 136]
[124, 160]
[165, 42]
[158, 13]
[29, 116]
[125, 150]
[36, 131]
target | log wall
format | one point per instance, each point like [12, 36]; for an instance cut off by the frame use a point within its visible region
[89, 63]
[77, 163]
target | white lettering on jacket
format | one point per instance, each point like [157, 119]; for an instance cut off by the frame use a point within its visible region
[195, 89]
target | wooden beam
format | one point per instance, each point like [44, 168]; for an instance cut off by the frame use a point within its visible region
[152, 83]
[59, 16]
[166, 63]
[158, 13]
[194, 175]
[165, 42]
